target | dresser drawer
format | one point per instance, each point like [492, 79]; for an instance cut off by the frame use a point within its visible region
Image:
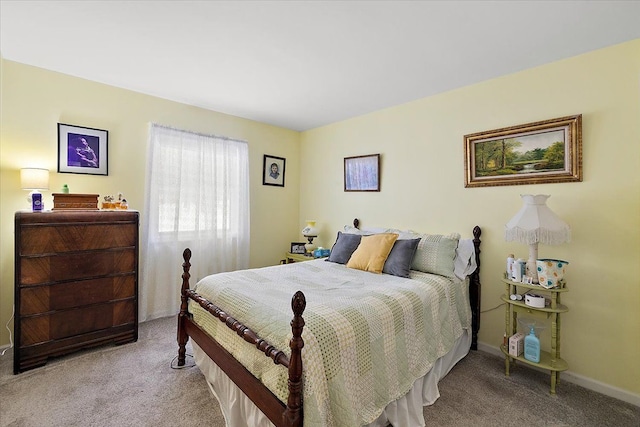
[61, 296]
[63, 324]
[45, 269]
[60, 238]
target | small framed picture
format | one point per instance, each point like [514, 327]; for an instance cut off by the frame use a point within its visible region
[273, 170]
[362, 173]
[82, 150]
[298, 248]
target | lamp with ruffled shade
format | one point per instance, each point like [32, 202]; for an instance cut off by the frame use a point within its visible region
[536, 223]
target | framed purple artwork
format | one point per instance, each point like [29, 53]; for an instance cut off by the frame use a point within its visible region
[82, 150]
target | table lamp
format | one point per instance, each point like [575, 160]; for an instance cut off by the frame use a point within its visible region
[310, 232]
[34, 179]
[536, 223]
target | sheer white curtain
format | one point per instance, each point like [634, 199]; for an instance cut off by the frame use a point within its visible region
[197, 196]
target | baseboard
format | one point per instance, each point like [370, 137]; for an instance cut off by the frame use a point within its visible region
[581, 380]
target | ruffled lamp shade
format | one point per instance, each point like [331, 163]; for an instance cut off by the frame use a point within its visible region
[536, 223]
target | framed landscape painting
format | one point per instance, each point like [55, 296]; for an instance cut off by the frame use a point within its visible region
[542, 152]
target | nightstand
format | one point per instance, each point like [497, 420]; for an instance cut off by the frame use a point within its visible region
[548, 359]
[291, 257]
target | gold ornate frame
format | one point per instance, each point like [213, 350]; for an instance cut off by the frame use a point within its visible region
[534, 153]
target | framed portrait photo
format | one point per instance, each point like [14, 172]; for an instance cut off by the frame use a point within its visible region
[82, 150]
[549, 151]
[362, 173]
[273, 170]
[298, 248]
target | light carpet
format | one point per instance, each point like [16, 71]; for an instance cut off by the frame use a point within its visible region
[134, 385]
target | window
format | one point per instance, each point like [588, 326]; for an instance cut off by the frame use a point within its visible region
[198, 197]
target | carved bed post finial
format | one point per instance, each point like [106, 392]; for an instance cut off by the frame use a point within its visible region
[475, 291]
[292, 416]
[182, 334]
[356, 223]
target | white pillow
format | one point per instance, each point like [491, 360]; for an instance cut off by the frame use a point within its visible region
[365, 231]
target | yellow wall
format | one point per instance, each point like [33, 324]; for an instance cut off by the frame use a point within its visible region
[34, 100]
[422, 188]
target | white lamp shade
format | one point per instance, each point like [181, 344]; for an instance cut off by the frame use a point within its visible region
[34, 179]
[310, 229]
[536, 223]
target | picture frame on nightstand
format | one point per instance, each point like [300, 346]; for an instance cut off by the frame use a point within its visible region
[298, 248]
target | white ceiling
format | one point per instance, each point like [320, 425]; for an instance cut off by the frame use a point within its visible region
[304, 64]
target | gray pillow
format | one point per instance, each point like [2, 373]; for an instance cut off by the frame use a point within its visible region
[344, 246]
[399, 261]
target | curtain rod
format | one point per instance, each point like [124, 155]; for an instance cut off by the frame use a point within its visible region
[198, 133]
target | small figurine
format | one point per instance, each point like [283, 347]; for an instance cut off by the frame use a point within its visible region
[108, 202]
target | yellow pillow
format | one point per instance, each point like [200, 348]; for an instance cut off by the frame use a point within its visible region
[372, 252]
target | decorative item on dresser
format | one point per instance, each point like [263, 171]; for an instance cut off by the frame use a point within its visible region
[76, 282]
[79, 202]
[34, 179]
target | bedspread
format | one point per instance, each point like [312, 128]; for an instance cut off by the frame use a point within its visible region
[367, 337]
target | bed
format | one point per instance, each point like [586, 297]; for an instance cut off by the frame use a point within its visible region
[374, 346]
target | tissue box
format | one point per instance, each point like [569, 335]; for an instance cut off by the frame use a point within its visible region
[321, 253]
[551, 272]
[516, 344]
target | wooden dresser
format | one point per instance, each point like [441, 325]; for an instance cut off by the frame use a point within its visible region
[76, 282]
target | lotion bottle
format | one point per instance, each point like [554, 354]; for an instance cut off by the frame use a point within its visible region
[510, 259]
[532, 347]
[517, 267]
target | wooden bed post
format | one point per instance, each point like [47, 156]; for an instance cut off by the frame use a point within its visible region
[292, 415]
[182, 333]
[474, 291]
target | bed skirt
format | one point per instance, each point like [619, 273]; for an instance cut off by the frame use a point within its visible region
[239, 411]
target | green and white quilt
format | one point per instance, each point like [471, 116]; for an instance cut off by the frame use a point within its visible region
[368, 336]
